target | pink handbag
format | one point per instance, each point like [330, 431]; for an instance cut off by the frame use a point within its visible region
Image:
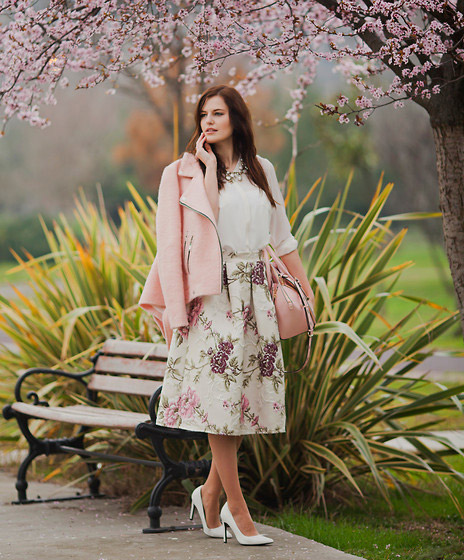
[295, 314]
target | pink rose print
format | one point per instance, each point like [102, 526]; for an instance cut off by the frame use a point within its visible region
[270, 314]
[245, 405]
[183, 331]
[171, 414]
[226, 404]
[187, 403]
[255, 421]
[229, 315]
[246, 315]
[196, 307]
[207, 325]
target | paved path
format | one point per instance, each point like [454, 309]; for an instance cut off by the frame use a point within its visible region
[99, 530]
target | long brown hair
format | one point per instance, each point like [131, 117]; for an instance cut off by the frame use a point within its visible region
[242, 137]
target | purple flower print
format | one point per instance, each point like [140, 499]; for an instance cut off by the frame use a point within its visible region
[187, 402]
[257, 274]
[271, 348]
[266, 365]
[219, 360]
[267, 359]
[196, 307]
[244, 406]
[218, 363]
[171, 414]
[226, 346]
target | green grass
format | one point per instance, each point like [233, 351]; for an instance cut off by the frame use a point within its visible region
[379, 538]
[424, 526]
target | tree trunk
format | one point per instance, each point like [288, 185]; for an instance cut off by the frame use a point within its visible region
[449, 146]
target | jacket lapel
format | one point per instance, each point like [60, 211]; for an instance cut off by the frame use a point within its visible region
[195, 196]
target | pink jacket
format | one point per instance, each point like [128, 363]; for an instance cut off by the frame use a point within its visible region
[188, 262]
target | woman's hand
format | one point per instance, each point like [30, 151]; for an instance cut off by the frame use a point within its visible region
[205, 153]
[294, 265]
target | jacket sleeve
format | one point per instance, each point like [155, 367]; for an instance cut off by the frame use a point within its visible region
[280, 229]
[169, 247]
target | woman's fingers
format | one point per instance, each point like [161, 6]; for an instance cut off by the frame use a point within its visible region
[201, 139]
[204, 152]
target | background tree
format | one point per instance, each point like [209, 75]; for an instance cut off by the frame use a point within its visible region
[417, 45]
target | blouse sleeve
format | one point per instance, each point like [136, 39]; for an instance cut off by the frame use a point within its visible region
[280, 229]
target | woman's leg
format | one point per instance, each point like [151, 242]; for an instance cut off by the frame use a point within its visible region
[224, 449]
[211, 492]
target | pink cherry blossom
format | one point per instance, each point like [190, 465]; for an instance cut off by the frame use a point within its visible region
[40, 44]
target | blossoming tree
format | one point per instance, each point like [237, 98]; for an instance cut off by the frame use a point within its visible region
[418, 46]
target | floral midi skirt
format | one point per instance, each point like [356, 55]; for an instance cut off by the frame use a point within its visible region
[224, 371]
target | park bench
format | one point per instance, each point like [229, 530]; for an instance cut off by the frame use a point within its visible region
[120, 366]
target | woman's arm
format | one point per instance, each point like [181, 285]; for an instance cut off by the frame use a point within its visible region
[206, 155]
[211, 187]
[293, 262]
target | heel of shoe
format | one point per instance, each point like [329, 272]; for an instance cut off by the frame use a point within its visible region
[229, 521]
[192, 509]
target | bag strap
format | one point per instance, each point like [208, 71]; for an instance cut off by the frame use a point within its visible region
[308, 352]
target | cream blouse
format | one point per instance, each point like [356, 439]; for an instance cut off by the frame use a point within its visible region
[247, 221]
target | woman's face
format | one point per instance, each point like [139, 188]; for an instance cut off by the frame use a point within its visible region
[215, 121]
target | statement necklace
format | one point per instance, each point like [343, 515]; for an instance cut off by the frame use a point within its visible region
[232, 175]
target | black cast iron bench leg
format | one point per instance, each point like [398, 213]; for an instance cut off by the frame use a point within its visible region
[38, 447]
[172, 470]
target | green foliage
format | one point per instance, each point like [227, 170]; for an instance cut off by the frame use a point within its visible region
[355, 394]
[19, 231]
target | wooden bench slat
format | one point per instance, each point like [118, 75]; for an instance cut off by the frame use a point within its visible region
[128, 386]
[84, 415]
[135, 349]
[130, 366]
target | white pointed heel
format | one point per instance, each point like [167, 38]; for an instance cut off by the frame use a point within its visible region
[216, 532]
[229, 521]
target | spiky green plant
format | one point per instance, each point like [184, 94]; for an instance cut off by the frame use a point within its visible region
[345, 407]
[354, 395]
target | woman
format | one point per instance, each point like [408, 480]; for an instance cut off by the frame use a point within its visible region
[224, 373]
